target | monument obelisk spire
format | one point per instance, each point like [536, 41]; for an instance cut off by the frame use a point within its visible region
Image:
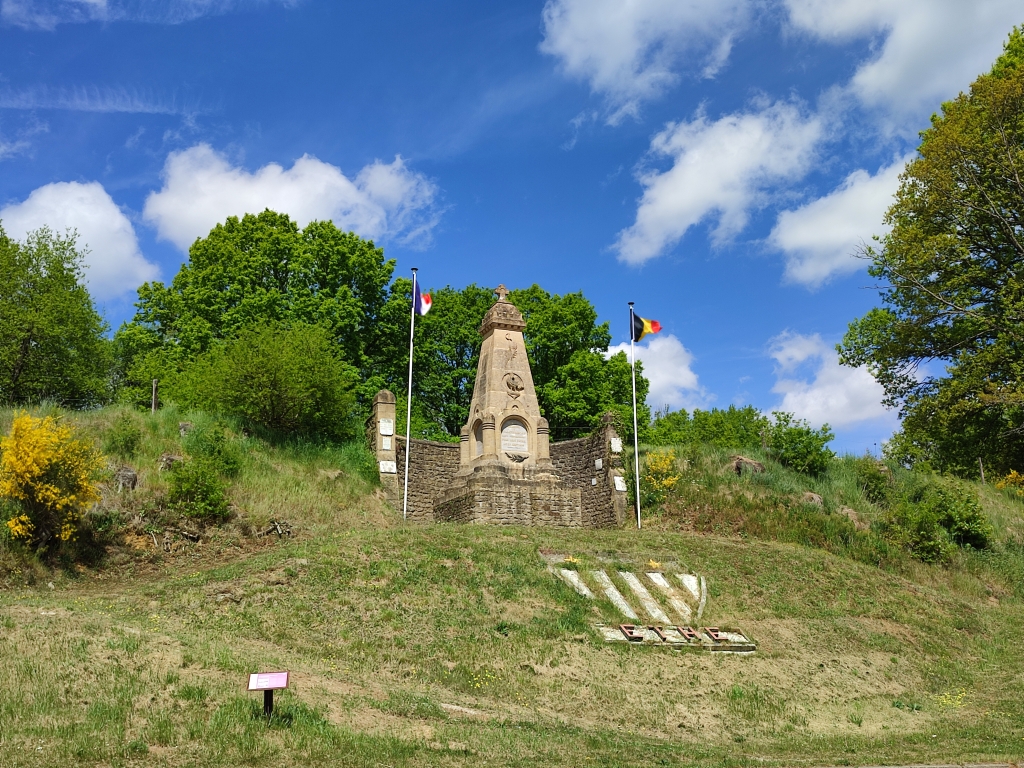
[505, 427]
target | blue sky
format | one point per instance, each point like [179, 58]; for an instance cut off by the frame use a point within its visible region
[717, 161]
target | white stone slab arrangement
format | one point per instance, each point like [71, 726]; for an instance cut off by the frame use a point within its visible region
[650, 605]
[613, 594]
[686, 603]
[697, 587]
[674, 598]
[573, 580]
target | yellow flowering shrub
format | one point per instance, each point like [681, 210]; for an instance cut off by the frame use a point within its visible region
[1012, 480]
[659, 476]
[47, 475]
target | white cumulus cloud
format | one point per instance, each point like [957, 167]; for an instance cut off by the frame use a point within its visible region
[929, 50]
[722, 169]
[201, 188]
[814, 386]
[668, 365]
[631, 51]
[820, 239]
[114, 265]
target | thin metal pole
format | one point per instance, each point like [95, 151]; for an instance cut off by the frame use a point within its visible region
[408, 401]
[636, 438]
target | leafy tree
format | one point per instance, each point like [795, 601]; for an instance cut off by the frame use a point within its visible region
[587, 387]
[946, 345]
[557, 327]
[48, 479]
[446, 355]
[283, 379]
[258, 269]
[733, 427]
[264, 269]
[51, 337]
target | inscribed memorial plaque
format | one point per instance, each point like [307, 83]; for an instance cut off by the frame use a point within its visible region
[385, 443]
[387, 426]
[620, 483]
[616, 445]
[513, 437]
[389, 468]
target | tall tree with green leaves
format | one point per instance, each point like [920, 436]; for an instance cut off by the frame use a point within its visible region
[947, 343]
[259, 269]
[587, 387]
[446, 355]
[557, 327]
[52, 344]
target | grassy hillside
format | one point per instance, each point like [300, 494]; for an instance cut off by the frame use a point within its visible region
[448, 645]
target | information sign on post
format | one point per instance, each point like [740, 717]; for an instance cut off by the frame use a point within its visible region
[268, 682]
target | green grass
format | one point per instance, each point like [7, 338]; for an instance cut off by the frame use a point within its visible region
[453, 645]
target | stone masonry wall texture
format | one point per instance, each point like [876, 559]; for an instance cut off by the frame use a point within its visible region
[432, 467]
[584, 497]
[576, 461]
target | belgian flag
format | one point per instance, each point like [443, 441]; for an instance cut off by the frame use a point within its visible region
[642, 326]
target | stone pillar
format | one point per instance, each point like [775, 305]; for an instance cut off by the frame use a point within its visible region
[543, 440]
[464, 446]
[381, 435]
[490, 439]
[614, 476]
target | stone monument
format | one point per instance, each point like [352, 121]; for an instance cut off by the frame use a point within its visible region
[505, 469]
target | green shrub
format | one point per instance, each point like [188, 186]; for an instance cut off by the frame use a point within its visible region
[874, 478]
[124, 437]
[795, 444]
[197, 491]
[286, 379]
[930, 516]
[213, 444]
[917, 529]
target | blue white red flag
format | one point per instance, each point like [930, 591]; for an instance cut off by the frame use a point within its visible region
[421, 301]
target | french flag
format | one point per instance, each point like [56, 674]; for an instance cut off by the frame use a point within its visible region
[421, 301]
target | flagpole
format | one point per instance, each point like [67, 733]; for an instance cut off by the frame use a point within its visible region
[636, 438]
[408, 400]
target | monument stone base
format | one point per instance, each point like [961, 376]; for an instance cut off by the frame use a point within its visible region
[490, 495]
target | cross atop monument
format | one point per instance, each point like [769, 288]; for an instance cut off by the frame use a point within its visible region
[502, 292]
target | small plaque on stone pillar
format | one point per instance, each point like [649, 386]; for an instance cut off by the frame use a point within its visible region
[385, 443]
[620, 483]
[514, 438]
[388, 468]
[387, 426]
[616, 445]
[598, 463]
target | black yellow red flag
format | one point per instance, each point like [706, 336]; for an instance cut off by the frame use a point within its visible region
[642, 327]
